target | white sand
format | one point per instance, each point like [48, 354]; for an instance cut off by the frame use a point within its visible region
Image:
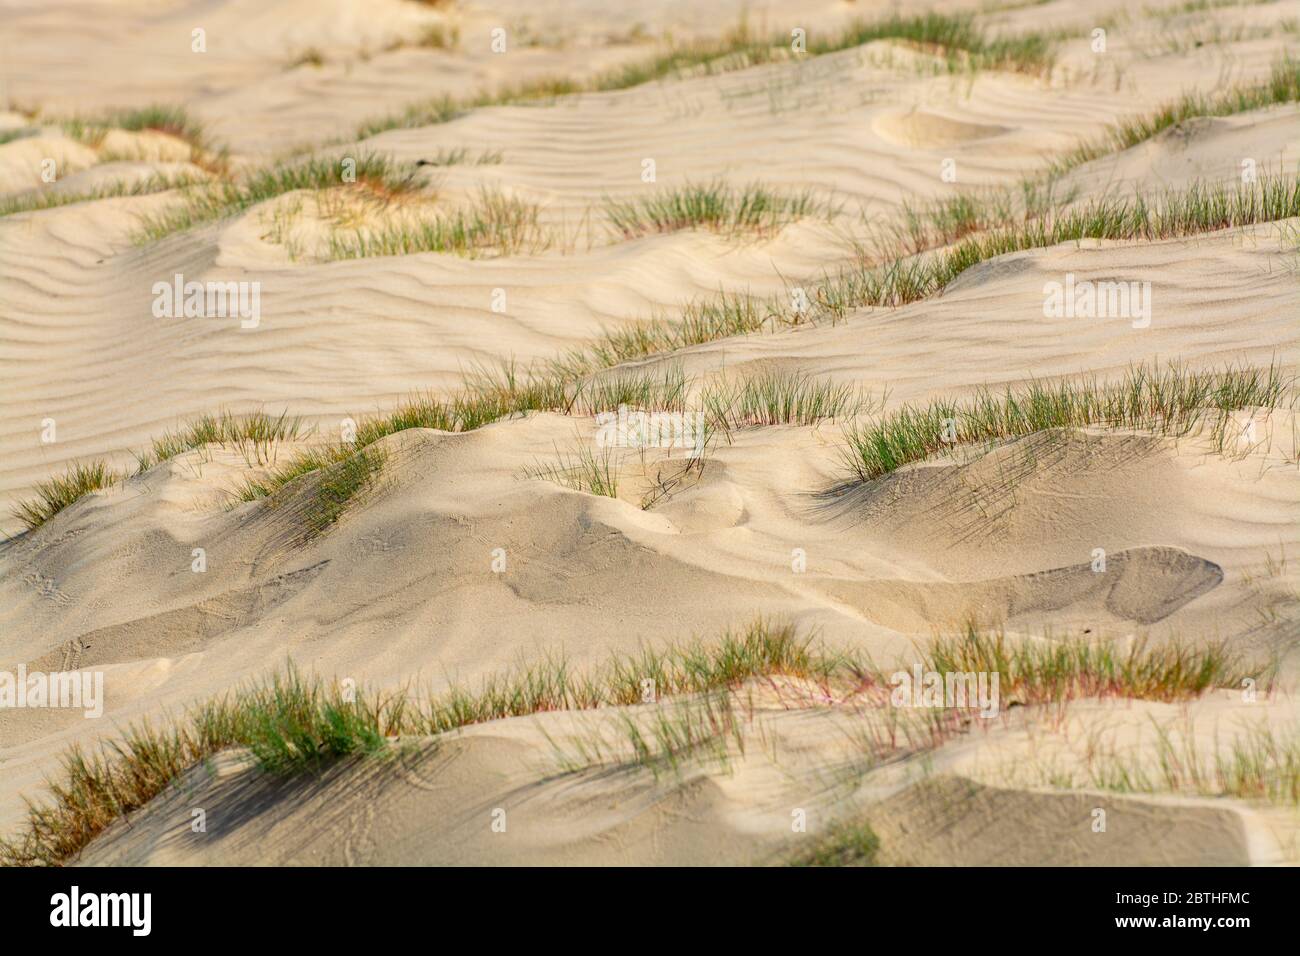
[403, 586]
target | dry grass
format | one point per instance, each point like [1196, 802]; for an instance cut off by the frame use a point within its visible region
[494, 224]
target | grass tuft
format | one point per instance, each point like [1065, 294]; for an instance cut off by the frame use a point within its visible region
[847, 843]
[778, 397]
[172, 120]
[338, 484]
[1170, 401]
[379, 175]
[1262, 762]
[254, 435]
[700, 320]
[716, 207]
[1058, 671]
[341, 471]
[59, 492]
[588, 470]
[1282, 86]
[39, 199]
[461, 156]
[495, 224]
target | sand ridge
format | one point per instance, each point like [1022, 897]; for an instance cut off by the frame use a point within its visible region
[405, 588]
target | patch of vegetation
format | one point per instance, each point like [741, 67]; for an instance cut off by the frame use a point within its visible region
[460, 156]
[661, 740]
[169, 120]
[766, 397]
[652, 389]
[491, 394]
[778, 397]
[37, 200]
[1198, 209]
[1282, 86]
[1262, 763]
[924, 226]
[700, 320]
[172, 120]
[847, 843]
[379, 175]
[341, 472]
[440, 36]
[59, 492]
[1169, 401]
[338, 484]
[962, 45]
[494, 224]
[303, 463]
[294, 725]
[18, 132]
[312, 56]
[1058, 671]
[255, 436]
[585, 469]
[716, 207]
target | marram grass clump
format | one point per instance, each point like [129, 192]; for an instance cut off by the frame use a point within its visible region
[716, 207]
[256, 437]
[1169, 401]
[493, 224]
[1282, 86]
[59, 492]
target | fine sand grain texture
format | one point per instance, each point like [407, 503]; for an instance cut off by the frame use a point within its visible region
[634, 325]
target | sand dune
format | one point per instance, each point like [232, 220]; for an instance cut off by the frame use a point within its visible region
[354, 336]
[438, 804]
[406, 588]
